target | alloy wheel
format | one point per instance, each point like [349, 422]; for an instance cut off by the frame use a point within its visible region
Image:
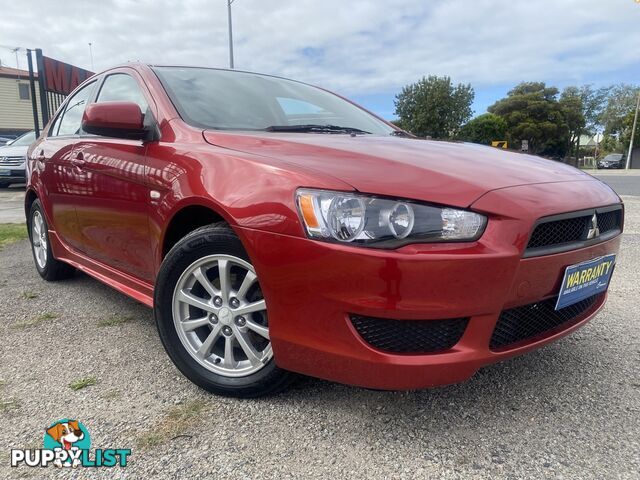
[39, 239]
[220, 316]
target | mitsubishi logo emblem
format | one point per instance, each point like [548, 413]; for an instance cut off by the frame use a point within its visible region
[594, 231]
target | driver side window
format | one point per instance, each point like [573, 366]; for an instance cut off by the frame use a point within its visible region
[120, 87]
[69, 122]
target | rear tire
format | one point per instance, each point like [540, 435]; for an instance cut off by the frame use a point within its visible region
[211, 316]
[48, 267]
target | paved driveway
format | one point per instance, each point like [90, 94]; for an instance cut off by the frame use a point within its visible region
[624, 183]
[12, 204]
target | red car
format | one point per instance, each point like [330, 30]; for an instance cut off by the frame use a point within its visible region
[275, 227]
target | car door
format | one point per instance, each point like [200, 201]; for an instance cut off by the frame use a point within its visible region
[113, 219]
[61, 178]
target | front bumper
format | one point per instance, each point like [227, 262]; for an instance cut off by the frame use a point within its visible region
[312, 288]
[13, 174]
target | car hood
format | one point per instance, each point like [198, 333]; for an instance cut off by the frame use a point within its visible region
[435, 171]
[11, 151]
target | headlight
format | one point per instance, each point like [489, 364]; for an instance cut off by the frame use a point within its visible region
[381, 222]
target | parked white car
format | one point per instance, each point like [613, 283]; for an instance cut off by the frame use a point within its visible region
[13, 160]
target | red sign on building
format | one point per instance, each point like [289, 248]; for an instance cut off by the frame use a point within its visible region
[60, 77]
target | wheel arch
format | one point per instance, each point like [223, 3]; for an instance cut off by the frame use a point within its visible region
[187, 218]
[30, 197]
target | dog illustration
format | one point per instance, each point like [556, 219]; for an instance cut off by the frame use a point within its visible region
[66, 434]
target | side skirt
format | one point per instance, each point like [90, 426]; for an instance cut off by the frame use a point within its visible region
[130, 286]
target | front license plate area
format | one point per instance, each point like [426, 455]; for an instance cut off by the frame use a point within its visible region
[585, 279]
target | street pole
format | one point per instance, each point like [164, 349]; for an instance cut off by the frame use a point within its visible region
[633, 132]
[32, 88]
[229, 2]
[91, 56]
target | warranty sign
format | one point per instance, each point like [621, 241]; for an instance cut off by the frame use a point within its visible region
[585, 280]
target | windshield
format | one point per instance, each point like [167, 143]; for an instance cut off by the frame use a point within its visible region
[24, 140]
[228, 100]
[613, 156]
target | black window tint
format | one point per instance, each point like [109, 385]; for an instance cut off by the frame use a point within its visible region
[71, 119]
[121, 87]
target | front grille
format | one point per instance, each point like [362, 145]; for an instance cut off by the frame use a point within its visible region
[571, 230]
[410, 336]
[12, 161]
[560, 231]
[608, 221]
[523, 323]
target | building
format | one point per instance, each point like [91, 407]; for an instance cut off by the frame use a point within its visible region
[16, 112]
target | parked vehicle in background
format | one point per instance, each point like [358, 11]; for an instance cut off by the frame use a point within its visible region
[275, 227]
[613, 160]
[5, 141]
[13, 160]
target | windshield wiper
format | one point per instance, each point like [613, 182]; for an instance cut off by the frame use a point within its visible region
[314, 128]
[401, 133]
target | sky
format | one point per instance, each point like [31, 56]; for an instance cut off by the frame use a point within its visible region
[365, 50]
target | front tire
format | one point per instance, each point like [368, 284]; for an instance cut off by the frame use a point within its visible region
[48, 267]
[212, 317]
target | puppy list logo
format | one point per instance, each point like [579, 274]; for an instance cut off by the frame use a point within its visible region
[67, 444]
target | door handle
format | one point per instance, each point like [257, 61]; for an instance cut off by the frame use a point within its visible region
[78, 160]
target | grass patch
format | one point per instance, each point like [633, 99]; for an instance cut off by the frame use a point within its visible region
[82, 383]
[175, 423]
[114, 320]
[8, 405]
[12, 233]
[32, 322]
[29, 295]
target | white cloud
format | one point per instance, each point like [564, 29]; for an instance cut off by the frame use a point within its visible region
[353, 47]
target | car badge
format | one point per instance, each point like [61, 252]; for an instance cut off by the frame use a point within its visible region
[594, 231]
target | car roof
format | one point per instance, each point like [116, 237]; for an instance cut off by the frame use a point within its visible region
[201, 67]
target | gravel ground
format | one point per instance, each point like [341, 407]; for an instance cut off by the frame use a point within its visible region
[570, 410]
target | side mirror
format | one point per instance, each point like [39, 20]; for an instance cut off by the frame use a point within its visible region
[114, 119]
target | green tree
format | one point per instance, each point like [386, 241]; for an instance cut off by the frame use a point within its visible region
[582, 107]
[572, 108]
[484, 129]
[610, 144]
[594, 101]
[434, 107]
[533, 113]
[617, 116]
[620, 101]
